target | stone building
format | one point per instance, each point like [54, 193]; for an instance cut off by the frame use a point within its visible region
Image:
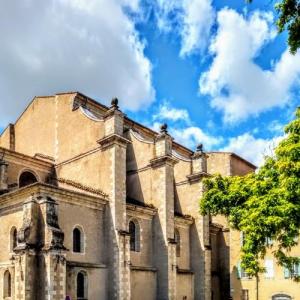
[95, 206]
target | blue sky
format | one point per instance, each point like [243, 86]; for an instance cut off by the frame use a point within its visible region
[215, 71]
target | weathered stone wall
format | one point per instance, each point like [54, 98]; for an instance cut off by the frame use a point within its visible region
[143, 285]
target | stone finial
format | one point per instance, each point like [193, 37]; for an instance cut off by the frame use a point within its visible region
[164, 128]
[199, 148]
[114, 103]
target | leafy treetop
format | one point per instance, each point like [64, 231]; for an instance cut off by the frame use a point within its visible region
[289, 19]
[263, 205]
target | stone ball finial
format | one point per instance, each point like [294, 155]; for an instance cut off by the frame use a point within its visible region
[199, 148]
[114, 102]
[164, 128]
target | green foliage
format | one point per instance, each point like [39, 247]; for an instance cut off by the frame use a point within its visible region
[289, 19]
[263, 205]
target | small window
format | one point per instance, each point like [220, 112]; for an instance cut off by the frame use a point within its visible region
[245, 294]
[13, 238]
[7, 284]
[295, 271]
[241, 273]
[134, 231]
[269, 266]
[26, 178]
[81, 286]
[78, 246]
[177, 241]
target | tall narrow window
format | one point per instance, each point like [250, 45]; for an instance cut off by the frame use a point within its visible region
[134, 231]
[7, 284]
[177, 240]
[81, 286]
[13, 238]
[77, 240]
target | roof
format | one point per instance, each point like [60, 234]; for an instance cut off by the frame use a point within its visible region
[132, 124]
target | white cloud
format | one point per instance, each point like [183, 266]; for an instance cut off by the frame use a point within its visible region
[192, 19]
[61, 45]
[192, 136]
[166, 112]
[197, 22]
[238, 86]
[251, 148]
[184, 133]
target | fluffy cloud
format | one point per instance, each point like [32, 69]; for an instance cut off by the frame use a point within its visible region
[192, 136]
[61, 45]
[183, 132]
[192, 18]
[166, 112]
[237, 84]
[251, 148]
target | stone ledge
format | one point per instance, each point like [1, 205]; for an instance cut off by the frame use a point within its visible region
[185, 271]
[108, 141]
[197, 176]
[159, 161]
[77, 264]
[143, 268]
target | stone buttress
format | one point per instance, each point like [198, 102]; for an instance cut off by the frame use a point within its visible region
[114, 145]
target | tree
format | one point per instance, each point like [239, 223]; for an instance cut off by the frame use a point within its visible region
[289, 19]
[263, 205]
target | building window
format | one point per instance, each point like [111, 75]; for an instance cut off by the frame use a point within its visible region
[281, 297]
[78, 245]
[269, 266]
[81, 286]
[294, 273]
[134, 231]
[245, 295]
[241, 273]
[27, 178]
[177, 241]
[7, 284]
[13, 238]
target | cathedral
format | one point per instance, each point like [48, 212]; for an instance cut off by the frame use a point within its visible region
[94, 205]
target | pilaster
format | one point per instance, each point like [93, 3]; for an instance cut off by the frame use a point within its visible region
[3, 176]
[163, 198]
[200, 241]
[114, 146]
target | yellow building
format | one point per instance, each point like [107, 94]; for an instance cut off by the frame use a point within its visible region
[276, 284]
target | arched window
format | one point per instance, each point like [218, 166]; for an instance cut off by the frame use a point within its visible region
[134, 231]
[27, 178]
[281, 297]
[78, 245]
[7, 284]
[13, 238]
[81, 286]
[177, 240]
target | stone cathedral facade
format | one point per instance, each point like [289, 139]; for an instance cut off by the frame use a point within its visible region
[94, 205]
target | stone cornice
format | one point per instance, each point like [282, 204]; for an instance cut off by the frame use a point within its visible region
[159, 161]
[184, 220]
[143, 268]
[136, 210]
[113, 139]
[81, 187]
[85, 265]
[197, 176]
[59, 194]
[12, 156]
